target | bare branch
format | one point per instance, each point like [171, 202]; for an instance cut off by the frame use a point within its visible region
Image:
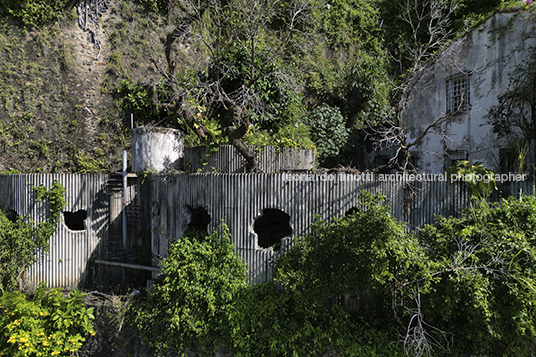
[432, 16]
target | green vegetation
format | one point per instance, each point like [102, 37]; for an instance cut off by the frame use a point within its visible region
[238, 67]
[190, 307]
[42, 105]
[34, 13]
[479, 179]
[47, 324]
[359, 286]
[273, 72]
[481, 287]
[21, 239]
[328, 131]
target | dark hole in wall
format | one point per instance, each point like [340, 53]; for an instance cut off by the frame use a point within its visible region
[352, 211]
[12, 215]
[75, 220]
[199, 220]
[273, 225]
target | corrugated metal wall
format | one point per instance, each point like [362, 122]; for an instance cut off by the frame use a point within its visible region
[66, 263]
[239, 199]
[226, 159]
[159, 209]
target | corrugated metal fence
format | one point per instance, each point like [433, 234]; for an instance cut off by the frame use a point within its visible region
[239, 200]
[70, 249]
[225, 159]
[160, 209]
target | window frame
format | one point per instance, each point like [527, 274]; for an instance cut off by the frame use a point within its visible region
[458, 88]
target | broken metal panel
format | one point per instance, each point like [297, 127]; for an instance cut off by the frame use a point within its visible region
[161, 204]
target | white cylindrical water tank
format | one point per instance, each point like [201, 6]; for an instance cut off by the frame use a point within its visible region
[156, 149]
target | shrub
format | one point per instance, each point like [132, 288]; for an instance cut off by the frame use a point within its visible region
[328, 131]
[34, 12]
[269, 322]
[482, 296]
[48, 324]
[190, 307]
[356, 258]
[291, 136]
[361, 286]
[461, 286]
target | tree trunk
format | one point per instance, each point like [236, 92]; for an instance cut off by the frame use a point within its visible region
[235, 135]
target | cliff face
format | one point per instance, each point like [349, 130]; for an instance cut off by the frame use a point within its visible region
[57, 109]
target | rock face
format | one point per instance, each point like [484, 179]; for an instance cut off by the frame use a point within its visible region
[57, 108]
[53, 117]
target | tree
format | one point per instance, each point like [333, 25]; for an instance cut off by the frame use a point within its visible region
[237, 79]
[513, 118]
[428, 26]
[348, 68]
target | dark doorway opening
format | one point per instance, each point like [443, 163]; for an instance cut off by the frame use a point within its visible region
[199, 221]
[273, 225]
[75, 221]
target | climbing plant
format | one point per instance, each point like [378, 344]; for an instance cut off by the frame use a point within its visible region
[21, 238]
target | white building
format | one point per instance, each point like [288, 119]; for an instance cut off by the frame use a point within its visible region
[464, 82]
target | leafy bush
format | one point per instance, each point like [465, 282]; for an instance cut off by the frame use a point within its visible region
[137, 97]
[461, 286]
[328, 131]
[190, 307]
[48, 324]
[292, 136]
[355, 259]
[482, 297]
[20, 239]
[353, 254]
[34, 12]
[361, 286]
[272, 101]
[480, 180]
[269, 322]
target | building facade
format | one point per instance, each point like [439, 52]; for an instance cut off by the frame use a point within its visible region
[461, 85]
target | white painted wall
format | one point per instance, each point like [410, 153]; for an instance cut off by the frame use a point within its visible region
[489, 52]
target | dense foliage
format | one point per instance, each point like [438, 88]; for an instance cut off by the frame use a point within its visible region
[362, 286]
[189, 308]
[328, 131]
[46, 324]
[479, 179]
[333, 290]
[259, 63]
[21, 238]
[481, 297]
[253, 64]
[34, 12]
